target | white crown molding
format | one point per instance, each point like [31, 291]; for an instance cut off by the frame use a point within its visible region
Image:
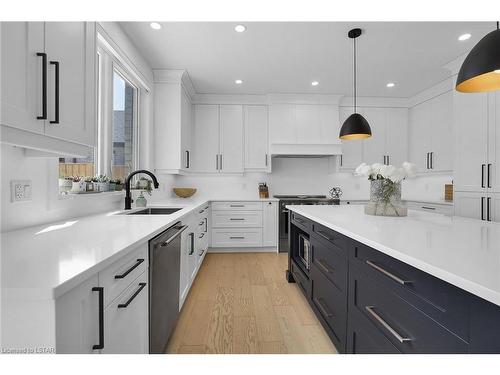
[304, 98]
[454, 65]
[229, 99]
[438, 89]
[373, 101]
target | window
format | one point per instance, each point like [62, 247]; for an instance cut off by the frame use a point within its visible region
[83, 167]
[124, 119]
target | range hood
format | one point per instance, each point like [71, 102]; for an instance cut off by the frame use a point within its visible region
[305, 150]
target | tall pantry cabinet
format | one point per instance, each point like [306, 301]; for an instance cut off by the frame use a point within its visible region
[477, 155]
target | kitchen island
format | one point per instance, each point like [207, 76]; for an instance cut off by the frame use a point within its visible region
[424, 283]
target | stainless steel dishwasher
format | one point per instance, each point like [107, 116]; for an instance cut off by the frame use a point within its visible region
[164, 273]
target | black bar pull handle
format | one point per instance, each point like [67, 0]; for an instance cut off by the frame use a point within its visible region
[482, 175]
[482, 208]
[100, 290]
[427, 160]
[187, 159]
[488, 208]
[488, 174]
[44, 86]
[191, 251]
[125, 305]
[136, 264]
[56, 93]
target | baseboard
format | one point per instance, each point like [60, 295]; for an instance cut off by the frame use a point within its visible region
[242, 249]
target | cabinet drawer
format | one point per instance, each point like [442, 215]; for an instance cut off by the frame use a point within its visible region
[301, 222]
[126, 320]
[120, 274]
[237, 206]
[300, 278]
[233, 237]
[327, 235]
[405, 326]
[236, 219]
[430, 207]
[331, 304]
[443, 302]
[364, 338]
[331, 261]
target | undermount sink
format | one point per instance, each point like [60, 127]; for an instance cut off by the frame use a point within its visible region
[154, 211]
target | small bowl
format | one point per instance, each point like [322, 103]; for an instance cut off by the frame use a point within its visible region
[184, 192]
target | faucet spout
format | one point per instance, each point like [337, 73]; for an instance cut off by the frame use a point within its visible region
[128, 198]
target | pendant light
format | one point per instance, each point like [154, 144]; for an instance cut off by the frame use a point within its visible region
[355, 126]
[480, 71]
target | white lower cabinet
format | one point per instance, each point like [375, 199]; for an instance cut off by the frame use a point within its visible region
[470, 204]
[77, 319]
[87, 322]
[240, 224]
[126, 321]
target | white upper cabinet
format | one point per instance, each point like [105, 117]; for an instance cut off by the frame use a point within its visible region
[431, 134]
[352, 151]
[494, 145]
[206, 138]
[471, 140]
[256, 137]
[218, 138]
[186, 130]
[396, 136]
[71, 45]
[231, 139]
[21, 94]
[48, 84]
[374, 147]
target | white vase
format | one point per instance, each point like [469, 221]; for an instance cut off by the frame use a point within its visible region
[385, 199]
[65, 185]
[78, 186]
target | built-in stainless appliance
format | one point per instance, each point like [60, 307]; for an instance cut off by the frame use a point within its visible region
[285, 200]
[164, 274]
[305, 250]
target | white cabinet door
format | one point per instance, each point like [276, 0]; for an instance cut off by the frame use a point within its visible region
[442, 137]
[352, 151]
[185, 264]
[256, 137]
[21, 92]
[186, 149]
[469, 204]
[126, 320]
[494, 141]
[269, 224]
[471, 139]
[419, 139]
[374, 147]
[329, 124]
[231, 139]
[77, 319]
[396, 135]
[282, 127]
[72, 46]
[494, 206]
[205, 138]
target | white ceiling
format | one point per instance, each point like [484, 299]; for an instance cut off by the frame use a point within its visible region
[285, 57]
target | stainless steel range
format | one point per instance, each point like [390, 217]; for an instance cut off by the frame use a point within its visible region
[285, 200]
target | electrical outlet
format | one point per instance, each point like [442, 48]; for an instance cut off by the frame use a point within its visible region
[20, 190]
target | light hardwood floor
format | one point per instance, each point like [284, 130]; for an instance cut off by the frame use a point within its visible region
[241, 303]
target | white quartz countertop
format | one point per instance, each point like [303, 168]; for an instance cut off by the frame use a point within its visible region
[461, 251]
[45, 261]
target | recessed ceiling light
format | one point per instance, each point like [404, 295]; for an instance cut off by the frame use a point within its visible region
[238, 81]
[391, 84]
[155, 25]
[314, 83]
[497, 71]
[240, 28]
[464, 37]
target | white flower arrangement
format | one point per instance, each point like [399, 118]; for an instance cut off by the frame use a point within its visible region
[379, 171]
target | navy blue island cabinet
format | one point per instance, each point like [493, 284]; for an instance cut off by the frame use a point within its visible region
[369, 302]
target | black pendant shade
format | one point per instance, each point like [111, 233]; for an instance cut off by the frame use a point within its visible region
[480, 71]
[355, 126]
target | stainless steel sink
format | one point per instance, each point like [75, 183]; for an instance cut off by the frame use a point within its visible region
[154, 211]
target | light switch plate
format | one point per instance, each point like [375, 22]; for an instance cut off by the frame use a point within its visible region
[20, 190]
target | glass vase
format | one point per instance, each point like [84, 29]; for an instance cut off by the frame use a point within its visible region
[385, 199]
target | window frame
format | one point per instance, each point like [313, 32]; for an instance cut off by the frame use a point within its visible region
[108, 63]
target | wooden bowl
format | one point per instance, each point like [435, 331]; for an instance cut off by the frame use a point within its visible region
[184, 192]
